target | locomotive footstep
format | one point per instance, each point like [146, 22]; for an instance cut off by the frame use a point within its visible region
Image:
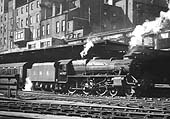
[129, 92]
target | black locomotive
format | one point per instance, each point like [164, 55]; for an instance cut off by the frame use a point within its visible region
[140, 71]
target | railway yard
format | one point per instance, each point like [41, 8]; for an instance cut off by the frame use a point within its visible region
[41, 104]
[96, 65]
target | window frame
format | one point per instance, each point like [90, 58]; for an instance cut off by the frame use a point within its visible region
[32, 5]
[57, 26]
[43, 30]
[26, 9]
[22, 10]
[37, 18]
[63, 25]
[38, 4]
[22, 21]
[27, 21]
[31, 19]
[48, 29]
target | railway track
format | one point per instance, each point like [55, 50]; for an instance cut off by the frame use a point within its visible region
[153, 103]
[89, 106]
[82, 109]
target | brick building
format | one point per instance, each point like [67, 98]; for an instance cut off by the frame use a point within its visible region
[3, 24]
[52, 22]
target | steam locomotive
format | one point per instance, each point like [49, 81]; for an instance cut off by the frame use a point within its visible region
[140, 71]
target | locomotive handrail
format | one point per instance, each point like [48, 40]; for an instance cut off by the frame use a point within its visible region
[9, 78]
[134, 79]
[106, 76]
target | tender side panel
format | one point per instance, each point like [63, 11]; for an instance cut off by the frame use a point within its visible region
[43, 72]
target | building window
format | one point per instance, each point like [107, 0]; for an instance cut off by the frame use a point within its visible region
[11, 21]
[22, 34]
[21, 10]
[18, 19]
[5, 28]
[4, 17]
[48, 43]
[57, 27]
[63, 24]
[48, 29]
[0, 41]
[11, 34]
[11, 44]
[26, 21]
[37, 18]
[27, 8]
[45, 44]
[43, 30]
[38, 32]
[31, 19]
[1, 29]
[31, 46]
[19, 35]
[5, 40]
[42, 44]
[1, 18]
[16, 35]
[21, 22]
[38, 4]
[16, 12]
[18, 22]
[32, 6]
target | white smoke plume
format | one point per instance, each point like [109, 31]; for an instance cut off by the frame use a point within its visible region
[150, 27]
[28, 85]
[87, 47]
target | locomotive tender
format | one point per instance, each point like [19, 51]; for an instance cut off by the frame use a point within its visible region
[140, 72]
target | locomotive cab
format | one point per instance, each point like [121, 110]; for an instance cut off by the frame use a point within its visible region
[63, 70]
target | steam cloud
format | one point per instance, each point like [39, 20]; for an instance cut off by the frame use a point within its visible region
[87, 47]
[28, 85]
[150, 27]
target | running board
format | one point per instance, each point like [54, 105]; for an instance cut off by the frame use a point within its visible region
[162, 86]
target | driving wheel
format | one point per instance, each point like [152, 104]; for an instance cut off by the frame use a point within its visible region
[113, 92]
[102, 90]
